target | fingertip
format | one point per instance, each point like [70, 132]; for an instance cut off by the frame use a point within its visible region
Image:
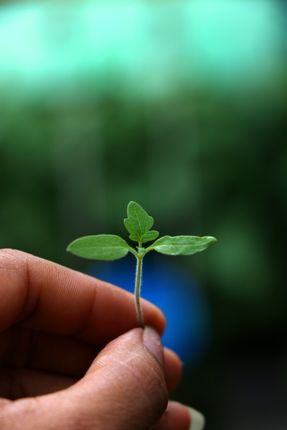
[154, 316]
[173, 368]
[152, 342]
[180, 417]
[176, 416]
[173, 357]
[197, 420]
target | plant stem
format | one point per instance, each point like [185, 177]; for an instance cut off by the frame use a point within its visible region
[138, 282]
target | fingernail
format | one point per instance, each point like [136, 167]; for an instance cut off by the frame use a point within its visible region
[197, 420]
[152, 342]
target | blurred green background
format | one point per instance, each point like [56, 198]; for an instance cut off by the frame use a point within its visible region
[181, 106]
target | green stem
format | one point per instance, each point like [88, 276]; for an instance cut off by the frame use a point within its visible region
[138, 281]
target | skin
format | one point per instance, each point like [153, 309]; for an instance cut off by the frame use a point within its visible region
[72, 357]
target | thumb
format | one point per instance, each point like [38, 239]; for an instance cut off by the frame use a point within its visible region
[125, 387]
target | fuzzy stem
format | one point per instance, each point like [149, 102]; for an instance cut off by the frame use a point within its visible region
[138, 281]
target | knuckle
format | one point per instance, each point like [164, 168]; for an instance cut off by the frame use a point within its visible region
[14, 277]
[5, 421]
[17, 415]
[12, 258]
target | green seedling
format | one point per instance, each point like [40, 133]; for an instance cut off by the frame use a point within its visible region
[139, 224]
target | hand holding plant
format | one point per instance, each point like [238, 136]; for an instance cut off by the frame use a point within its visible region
[77, 368]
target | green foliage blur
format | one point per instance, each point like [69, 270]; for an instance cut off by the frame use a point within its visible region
[188, 118]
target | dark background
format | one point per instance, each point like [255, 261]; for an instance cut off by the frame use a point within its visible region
[181, 106]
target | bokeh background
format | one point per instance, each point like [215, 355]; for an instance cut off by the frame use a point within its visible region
[181, 106]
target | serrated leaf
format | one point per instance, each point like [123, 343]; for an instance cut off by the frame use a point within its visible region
[138, 222]
[150, 235]
[106, 247]
[182, 245]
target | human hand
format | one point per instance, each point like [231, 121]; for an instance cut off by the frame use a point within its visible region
[71, 357]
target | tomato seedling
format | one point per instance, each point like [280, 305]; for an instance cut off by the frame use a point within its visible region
[138, 223]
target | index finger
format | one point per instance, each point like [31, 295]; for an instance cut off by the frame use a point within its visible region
[48, 297]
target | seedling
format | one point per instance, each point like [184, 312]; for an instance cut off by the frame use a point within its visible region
[138, 223]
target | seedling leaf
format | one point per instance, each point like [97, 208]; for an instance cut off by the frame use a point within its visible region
[182, 245]
[150, 235]
[138, 223]
[106, 247]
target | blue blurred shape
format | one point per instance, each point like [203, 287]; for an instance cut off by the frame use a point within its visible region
[173, 290]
